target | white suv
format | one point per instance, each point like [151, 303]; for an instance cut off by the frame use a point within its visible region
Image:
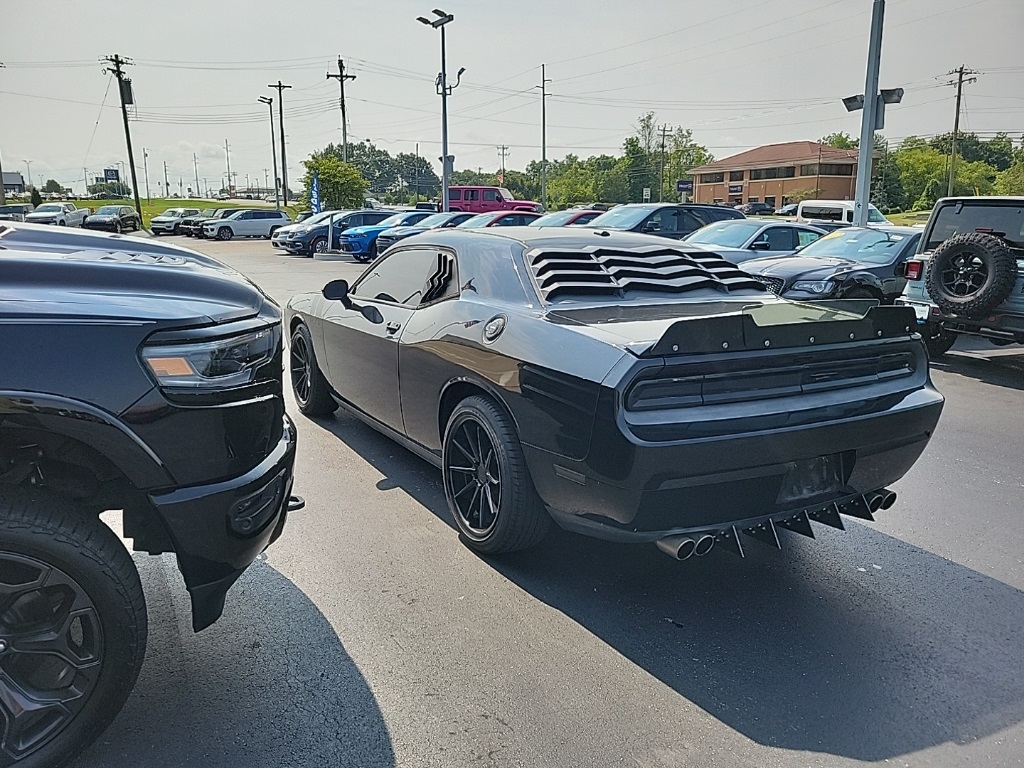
[246, 223]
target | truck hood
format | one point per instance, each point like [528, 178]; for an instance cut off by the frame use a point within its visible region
[42, 215]
[738, 324]
[51, 274]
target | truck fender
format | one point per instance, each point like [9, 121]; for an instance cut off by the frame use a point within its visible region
[86, 424]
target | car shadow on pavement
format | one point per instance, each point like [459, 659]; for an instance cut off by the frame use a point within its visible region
[1002, 371]
[856, 644]
[268, 685]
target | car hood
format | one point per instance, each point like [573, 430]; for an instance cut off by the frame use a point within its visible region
[102, 216]
[790, 267]
[165, 218]
[42, 215]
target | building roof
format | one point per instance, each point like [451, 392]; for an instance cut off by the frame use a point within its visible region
[13, 177]
[790, 153]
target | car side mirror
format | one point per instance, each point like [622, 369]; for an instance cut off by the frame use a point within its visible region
[651, 226]
[759, 245]
[337, 290]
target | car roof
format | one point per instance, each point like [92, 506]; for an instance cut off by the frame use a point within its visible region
[547, 237]
[982, 199]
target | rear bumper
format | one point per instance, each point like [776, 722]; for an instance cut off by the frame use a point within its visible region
[219, 529]
[1005, 326]
[632, 490]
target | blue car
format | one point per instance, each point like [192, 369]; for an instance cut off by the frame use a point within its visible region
[434, 221]
[361, 242]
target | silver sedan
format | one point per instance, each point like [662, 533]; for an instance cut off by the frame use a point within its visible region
[740, 239]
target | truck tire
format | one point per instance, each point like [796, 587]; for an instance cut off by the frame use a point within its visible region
[312, 393]
[73, 626]
[971, 274]
[225, 233]
[486, 481]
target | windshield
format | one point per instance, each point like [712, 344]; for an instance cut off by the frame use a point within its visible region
[480, 220]
[12, 209]
[728, 234]
[554, 219]
[875, 216]
[107, 210]
[435, 220]
[172, 213]
[505, 194]
[48, 209]
[316, 218]
[623, 217]
[208, 212]
[872, 245]
[961, 218]
[392, 221]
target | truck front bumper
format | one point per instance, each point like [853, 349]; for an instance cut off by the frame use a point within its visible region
[219, 529]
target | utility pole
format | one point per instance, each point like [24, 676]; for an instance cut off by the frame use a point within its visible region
[266, 178]
[544, 136]
[869, 117]
[145, 167]
[961, 72]
[227, 158]
[28, 166]
[416, 172]
[444, 91]
[3, 192]
[127, 97]
[195, 165]
[284, 161]
[167, 184]
[503, 153]
[661, 189]
[341, 77]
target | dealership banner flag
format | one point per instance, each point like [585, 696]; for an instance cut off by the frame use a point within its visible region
[314, 193]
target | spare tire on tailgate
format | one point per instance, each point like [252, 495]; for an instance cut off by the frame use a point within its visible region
[971, 274]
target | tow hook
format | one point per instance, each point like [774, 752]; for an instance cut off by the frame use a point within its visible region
[295, 503]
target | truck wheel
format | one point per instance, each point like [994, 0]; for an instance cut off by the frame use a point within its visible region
[486, 482]
[971, 274]
[938, 340]
[309, 386]
[72, 627]
[225, 233]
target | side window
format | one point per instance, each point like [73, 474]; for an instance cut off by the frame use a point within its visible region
[472, 194]
[245, 215]
[401, 278]
[454, 194]
[352, 220]
[675, 221]
[780, 238]
[510, 220]
[443, 280]
[375, 218]
[490, 195]
[805, 237]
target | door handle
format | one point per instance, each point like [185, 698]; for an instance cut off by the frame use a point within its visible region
[393, 327]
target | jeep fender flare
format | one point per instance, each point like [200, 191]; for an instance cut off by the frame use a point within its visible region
[91, 426]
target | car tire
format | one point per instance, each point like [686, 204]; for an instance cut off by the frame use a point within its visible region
[62, 223]
[117, 228]
[64, 564]
[225, 233]
[860, 293]
[319, 245]
[971, 274]
[270, 234]
[938, 340]
[312, 393]
[481, 434]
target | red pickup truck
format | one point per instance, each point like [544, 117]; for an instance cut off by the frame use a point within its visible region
[487, 199]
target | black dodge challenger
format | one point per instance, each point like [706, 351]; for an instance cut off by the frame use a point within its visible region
[627, 387]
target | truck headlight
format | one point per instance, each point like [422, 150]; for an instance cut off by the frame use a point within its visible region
[215, 364]
[814, 286]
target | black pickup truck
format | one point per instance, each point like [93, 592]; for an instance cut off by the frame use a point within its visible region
[139, 377]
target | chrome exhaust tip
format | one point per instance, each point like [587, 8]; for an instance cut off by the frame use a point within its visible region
[880, 499]
[704, 545]
[678, 547]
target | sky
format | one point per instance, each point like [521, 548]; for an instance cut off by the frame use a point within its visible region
[739, 73]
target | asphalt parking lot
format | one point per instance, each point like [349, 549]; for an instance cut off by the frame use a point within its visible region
[370, 636]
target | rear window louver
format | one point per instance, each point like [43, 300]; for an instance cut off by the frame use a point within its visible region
[596, 271]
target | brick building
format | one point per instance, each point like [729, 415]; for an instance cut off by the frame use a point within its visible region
[771, 173]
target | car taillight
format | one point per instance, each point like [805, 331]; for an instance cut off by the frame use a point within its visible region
[913, 269]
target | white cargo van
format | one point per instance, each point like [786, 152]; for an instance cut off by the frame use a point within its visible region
[835, 210]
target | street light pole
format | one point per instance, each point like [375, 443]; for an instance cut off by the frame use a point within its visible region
[444, 91]
[284, 161]
[544, 136]
[28, 166]
[869, 117]
[145, 167]
[273, 150]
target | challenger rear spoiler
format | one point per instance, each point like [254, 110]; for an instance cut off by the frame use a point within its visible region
[785, 325]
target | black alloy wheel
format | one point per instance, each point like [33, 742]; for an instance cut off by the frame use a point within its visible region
[72, 628]
[964, 275]
[486, 481]
[320, 245]
[308, 383]
[117, 228]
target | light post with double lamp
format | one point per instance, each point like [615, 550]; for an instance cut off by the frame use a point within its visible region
[273, 149]
[444, 91]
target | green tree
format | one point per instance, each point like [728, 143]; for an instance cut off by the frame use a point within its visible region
[887, 192]
[573, 185]
[417, 176]
[109, 188]
[374, 164]
[522, 185]
[997, 152]
[341, 185]
[919, 165]
[1011, 181]
[633, 164]
[840, 140]
[800, 195]
[34, 197]
[52, 186]
[684, 154]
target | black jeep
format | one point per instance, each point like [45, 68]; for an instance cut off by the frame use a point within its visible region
[139, 377]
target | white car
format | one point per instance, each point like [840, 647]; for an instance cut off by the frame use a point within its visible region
[168, 222]
[246, 223]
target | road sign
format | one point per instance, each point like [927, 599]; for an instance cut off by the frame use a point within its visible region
[647, 194]
[684, 185]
